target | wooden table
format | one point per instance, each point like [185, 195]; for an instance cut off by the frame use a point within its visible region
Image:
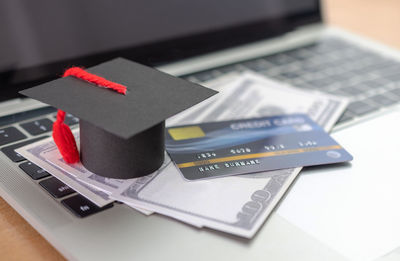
[376, 19]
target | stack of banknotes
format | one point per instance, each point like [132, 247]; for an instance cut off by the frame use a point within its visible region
[237, 204]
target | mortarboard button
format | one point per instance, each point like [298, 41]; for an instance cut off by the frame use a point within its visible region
[122, 136]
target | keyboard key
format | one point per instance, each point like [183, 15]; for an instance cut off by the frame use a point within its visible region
[81, 206]
[33, 171]
[303, 85]
[299, 54]
[70, 119]
[362, 70]
[396, 92]
[56, 188]
[204, 76]
[309, 68]
[320, 83]
[364, 87]
[351, 90]
[257, 65]
[279, 59]
[290, 75]
[342, 77]
[14, 156]
[10, 134]
[38, 127]
[380, 65]
[394, 77]
[226, 69]
[376, 83]
[388, 71]
[345, 117]
[383, 100]
[361, 108]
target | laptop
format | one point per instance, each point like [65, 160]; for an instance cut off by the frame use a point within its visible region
[199, 41]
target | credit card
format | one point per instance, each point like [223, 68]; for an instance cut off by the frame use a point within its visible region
[215, 149]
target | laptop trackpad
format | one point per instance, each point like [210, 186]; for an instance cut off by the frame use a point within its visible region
[354, 208]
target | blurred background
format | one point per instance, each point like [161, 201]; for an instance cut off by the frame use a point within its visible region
[376, 19]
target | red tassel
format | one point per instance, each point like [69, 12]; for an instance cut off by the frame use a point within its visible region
[64, 139]
[62, 134]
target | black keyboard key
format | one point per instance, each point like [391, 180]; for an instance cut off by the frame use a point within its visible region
[362, 70]
[81, 206]
[320, 83]
[257, 65]
[279, 59]
[10, 134]
[383, 100]
[351, 90]
[379, 66]
[299, 54]
[309, 68]
[14, 156]
[342, 78]
[226, 69]
[388, 71]
[345, 117]
[56, 188]
[396, 92]
[290, 75]
[70, 119]
[376, 83]
[364, 87]
[360, 108]
[204, 76]
[394, 77]
[38, 127]
[33, 171]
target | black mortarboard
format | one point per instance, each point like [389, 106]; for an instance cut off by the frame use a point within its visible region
[122, 136]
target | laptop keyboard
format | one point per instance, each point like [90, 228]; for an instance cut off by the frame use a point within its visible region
[370, 81]
[13, 137]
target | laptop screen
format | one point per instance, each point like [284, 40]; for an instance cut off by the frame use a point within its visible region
[40, 38]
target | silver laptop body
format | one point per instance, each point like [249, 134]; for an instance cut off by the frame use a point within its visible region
[120, 233]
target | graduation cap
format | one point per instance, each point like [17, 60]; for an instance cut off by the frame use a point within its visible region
[121, 131]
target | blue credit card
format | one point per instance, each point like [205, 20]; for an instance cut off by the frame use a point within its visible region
[215, 149]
